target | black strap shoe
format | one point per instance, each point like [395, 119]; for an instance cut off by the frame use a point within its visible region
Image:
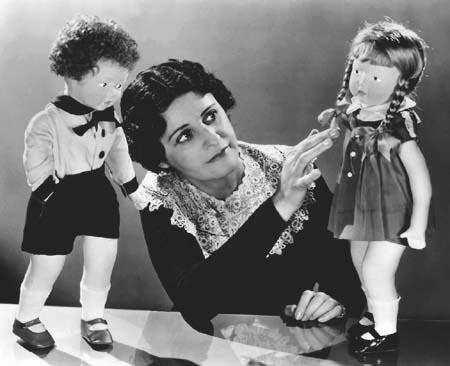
[38, 340]
[357, 329]
[97, 339]
[379, 343]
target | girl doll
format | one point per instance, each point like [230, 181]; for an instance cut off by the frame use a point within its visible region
[383, 191]
[66, 147]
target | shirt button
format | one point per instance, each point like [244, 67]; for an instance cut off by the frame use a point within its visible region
[349, 174]
[352, 154]
[101, 155]
[103, 132]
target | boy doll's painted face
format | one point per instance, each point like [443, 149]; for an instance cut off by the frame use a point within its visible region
[100, 88]
[372, 84]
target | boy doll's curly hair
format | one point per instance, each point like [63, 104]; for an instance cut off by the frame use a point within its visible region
[85, 40]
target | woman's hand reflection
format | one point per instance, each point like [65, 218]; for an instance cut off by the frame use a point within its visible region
[316, 337]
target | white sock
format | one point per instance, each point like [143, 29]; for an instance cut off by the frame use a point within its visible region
[31, 303]
[92, 301]
[385, 316]
[364, 320]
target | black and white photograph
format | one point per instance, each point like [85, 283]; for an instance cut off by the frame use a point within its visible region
[224, 182]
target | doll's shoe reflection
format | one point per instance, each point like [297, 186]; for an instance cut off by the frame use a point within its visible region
[54, 356]
[379, 359]
[40, 352]
[138, 357]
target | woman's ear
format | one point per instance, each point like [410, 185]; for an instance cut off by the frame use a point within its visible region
[164, 166]
[95, 70]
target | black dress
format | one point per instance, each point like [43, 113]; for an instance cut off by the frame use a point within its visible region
[239, 277]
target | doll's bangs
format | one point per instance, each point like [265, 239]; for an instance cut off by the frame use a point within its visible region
[369, 52]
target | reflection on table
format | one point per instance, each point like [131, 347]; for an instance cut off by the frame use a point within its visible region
[164, 339]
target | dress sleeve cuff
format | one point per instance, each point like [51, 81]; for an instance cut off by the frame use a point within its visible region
[129, 187]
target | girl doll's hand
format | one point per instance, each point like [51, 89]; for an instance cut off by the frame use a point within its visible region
[416, 238]
[325, 118]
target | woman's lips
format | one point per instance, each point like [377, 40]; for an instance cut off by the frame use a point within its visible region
[219, 155]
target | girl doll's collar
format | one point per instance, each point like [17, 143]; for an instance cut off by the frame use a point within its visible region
[376, 112]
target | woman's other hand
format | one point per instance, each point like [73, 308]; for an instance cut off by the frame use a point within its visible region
[297, 175]
[315, 305]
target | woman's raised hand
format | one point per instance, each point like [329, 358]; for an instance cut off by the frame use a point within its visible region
[297, 173]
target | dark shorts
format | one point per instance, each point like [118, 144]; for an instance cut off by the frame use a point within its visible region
[82, 204]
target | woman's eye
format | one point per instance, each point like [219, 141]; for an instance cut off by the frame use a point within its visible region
[119, 86]
[103, 85]
[376, 78]
[356, 71]
[184, 136]
[210, 117]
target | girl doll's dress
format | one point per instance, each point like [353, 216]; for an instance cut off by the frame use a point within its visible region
[372, 199]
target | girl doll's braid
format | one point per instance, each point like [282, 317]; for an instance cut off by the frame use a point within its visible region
[400, 91]
[347, 72]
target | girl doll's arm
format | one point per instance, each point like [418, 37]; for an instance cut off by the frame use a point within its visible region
[419, 178]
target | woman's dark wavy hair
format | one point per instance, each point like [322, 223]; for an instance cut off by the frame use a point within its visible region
[85, 40]
[151, 94]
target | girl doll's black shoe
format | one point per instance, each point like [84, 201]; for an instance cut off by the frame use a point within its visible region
[379, 343]
[97, 339]
[357, 329]
[38, 340]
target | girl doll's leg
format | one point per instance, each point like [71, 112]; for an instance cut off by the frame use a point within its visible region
[42, 272]
[358, 251]
[378, 271]
[99, 258]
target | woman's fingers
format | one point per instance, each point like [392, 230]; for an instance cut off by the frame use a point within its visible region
[314, 138]
[303, 303]
[317, 306]
[309, 178]
[305, 157]
[331, 314]
[324, 308]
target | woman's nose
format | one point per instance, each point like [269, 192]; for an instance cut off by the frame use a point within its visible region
[212, 136]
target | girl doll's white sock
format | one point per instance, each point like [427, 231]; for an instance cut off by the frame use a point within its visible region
[31, 303]
[385, 315]
[364, 320]
[93, 304]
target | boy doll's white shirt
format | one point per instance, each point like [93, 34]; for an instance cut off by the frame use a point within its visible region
[52, 148]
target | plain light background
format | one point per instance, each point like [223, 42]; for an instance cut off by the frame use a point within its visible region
[283, 60]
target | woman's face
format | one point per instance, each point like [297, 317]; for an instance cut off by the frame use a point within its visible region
[199, 140]
[372, 84]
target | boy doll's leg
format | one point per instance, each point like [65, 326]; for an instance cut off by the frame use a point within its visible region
[99, 258]
[41, 274]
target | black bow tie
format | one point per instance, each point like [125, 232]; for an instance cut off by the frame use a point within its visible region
[72, 106]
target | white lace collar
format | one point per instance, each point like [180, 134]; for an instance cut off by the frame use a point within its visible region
[212, 221]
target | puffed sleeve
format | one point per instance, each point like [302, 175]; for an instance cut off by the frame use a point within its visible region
[38, 159]
[405, 127]
[120, 165]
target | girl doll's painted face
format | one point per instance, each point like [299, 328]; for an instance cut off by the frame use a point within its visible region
[101, 87]
[199, 140]
[372, 84]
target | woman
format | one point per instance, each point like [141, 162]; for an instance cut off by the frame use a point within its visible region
[231, 227]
